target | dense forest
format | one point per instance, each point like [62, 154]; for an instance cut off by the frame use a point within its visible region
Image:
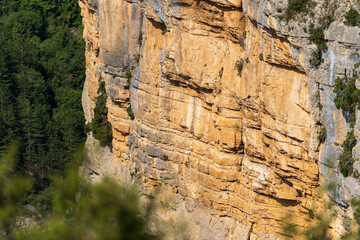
[42, 70]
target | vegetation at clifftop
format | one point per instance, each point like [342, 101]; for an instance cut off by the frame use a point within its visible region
[42, 70]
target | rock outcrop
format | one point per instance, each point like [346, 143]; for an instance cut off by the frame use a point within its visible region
[226, 111]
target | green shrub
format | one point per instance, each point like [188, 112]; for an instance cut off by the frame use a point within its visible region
[130, 113]
[242, 39]
[137, 58]
[320, 106]
[329, 19]
[297, 5]
[347, 98]
[322, 135]
[164, 32]
[346, 159]
[347, 95]
[355, 173]
[100, 126]
[239, 65]
[315, 59]
[294, 7]
[128, 74]
[317, 36]
[352, 17]
[261, 57]
[247, 60]
[221, 72]
[357, 65]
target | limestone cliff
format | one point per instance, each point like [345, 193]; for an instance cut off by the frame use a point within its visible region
[226, 110]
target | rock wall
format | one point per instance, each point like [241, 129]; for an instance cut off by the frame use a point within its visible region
[226, 111]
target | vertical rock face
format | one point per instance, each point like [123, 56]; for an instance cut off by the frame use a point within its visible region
[226, 111]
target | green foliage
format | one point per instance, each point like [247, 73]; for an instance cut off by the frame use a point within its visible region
[128, 76]
[352, 17]
[346, 159]
[221, 72]
[137, 58]
[355, 173]
[347, 99]
[164, 32]
[100, 125]
[322, 135]
[294, 7]
[261, 57]
[347, 95]
[239, 65]
[242, 39]
[80, 210]
[317, 36]
[328, 20]
[320, 106]
[130, 113]
[13, 187]
[357, 65]
[315, 59]
[355, 203]
[247, 60]
[165, 157]
[320, 230]
[42, 70]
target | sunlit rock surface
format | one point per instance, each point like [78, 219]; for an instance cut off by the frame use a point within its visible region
[235, 152]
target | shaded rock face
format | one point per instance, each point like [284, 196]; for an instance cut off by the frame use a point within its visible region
[226, 111]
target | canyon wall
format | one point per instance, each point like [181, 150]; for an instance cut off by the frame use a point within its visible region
[226, 111]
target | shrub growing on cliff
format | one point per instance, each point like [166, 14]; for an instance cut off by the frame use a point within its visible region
[239, 65]
[100, 126]
[347, 95]
[346, 159]
[317, 36]
[347, 99]
[242, 39]
[352, 17]
[130, 113]
[294, 7]
[261, 57]
[322, 135]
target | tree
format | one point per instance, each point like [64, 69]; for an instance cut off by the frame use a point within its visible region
[100, 126]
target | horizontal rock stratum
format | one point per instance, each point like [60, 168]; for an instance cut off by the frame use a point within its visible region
[226, 111]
